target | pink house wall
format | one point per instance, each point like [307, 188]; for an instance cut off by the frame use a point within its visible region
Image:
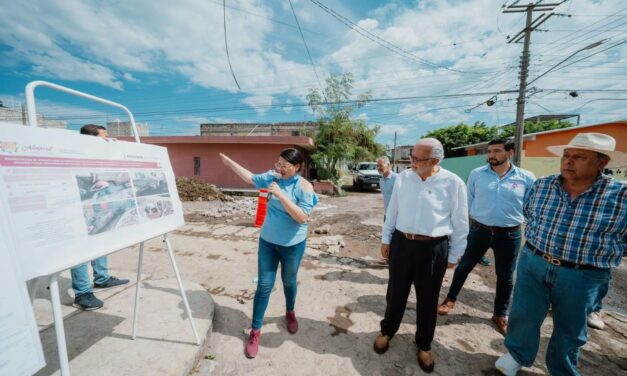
[257, 154]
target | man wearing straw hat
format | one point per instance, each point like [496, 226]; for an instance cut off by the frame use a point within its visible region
[576, 232]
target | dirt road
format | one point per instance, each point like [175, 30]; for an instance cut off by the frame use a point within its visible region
[341, 300]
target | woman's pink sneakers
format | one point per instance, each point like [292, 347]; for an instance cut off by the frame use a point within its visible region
[252, 347]
[292, 324]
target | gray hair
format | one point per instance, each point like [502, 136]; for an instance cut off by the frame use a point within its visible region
[437, 150]
[385, 160]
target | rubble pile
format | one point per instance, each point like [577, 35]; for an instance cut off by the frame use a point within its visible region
[245, 206]
[196, 190]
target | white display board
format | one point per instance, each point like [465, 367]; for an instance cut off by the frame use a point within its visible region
[71, 198]
[20, 348]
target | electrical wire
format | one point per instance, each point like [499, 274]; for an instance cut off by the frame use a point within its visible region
[313, 66]
[226, 46]
[380, 41]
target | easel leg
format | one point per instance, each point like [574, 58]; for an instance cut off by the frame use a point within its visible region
[180, 282]
[138, 287]
[64, 365]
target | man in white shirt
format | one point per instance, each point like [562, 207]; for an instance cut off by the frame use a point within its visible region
[425, 230]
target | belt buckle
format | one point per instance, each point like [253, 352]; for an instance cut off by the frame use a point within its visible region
[552, 260]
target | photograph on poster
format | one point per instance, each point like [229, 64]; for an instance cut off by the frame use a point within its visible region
[103, 186]
[106, 216]
[154, 207]
[150, 183]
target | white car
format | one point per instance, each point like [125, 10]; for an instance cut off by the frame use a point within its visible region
[365, 175]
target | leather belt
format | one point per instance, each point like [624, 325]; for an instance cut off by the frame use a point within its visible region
[421, 237]
[496, 228]
[557, 262]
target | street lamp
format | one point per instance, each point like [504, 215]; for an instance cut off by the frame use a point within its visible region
[588, 47]
[520, 110]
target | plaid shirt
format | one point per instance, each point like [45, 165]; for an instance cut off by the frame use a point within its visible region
[591, 230]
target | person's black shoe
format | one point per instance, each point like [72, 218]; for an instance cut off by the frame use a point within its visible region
[111, 282]
[485, 261]
[87, 302]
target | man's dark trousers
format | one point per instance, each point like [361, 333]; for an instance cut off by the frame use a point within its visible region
[423, 263]
[505, 245]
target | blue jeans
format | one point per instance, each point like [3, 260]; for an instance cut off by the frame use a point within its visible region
[270, 255]
[598, 304]
[572, 294]
[505, 245]
[80, 275]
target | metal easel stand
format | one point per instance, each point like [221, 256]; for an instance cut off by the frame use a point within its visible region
[64, 364]
[166, 240]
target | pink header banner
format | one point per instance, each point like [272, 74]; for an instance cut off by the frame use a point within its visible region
[30, 161]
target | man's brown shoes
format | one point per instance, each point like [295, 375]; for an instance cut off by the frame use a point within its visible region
[381, 343]
[446, 307]
[501, 324]
[425, 360]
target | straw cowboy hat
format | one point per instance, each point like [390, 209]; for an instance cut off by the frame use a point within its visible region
[599, 142]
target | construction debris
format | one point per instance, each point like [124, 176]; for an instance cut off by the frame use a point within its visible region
[195, 190]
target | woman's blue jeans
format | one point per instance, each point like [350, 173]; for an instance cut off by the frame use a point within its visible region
[572, 293]
[270, 255]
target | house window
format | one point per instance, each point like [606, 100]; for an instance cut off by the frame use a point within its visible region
[196, 166]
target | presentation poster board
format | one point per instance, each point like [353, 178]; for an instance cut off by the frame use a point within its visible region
[71, 198]
[20, 348]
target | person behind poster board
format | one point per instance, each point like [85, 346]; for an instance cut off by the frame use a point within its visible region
[283, 235]
[84, 297]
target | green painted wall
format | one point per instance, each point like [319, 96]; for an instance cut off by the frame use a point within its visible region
[463, 165]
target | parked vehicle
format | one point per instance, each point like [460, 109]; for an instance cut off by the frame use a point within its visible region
[365, 175]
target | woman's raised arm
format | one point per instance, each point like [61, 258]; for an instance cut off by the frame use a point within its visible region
[243, 173]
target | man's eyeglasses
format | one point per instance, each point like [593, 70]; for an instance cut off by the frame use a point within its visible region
[417, 160]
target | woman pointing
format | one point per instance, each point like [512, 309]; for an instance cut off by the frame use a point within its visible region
[283, 235]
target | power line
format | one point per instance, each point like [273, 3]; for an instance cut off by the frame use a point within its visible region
[380, 41]
[596, 53]
[226, 46]
[313, 66]
[531, 25]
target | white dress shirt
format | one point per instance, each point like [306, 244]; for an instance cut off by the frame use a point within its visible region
[435, 207]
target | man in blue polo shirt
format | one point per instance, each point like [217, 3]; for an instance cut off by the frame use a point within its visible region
[495, 197]
[386, 182]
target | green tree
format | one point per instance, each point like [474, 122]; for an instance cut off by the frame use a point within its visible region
[462, 134]
[533, 127]
[340, 139]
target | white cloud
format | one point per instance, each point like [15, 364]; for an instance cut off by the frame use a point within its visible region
[129, 77]
[111, 43]
[389, 130]
[259, 102]
[102, 43]
[288, 109]
[368, 24]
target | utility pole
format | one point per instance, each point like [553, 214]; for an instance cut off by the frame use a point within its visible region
[394, 154]
[525, 33]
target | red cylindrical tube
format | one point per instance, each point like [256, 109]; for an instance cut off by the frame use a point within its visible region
[262, 207]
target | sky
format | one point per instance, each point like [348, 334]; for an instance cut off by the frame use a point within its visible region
[426, 64]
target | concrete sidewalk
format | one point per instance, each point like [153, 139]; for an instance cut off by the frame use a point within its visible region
[99, 342]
